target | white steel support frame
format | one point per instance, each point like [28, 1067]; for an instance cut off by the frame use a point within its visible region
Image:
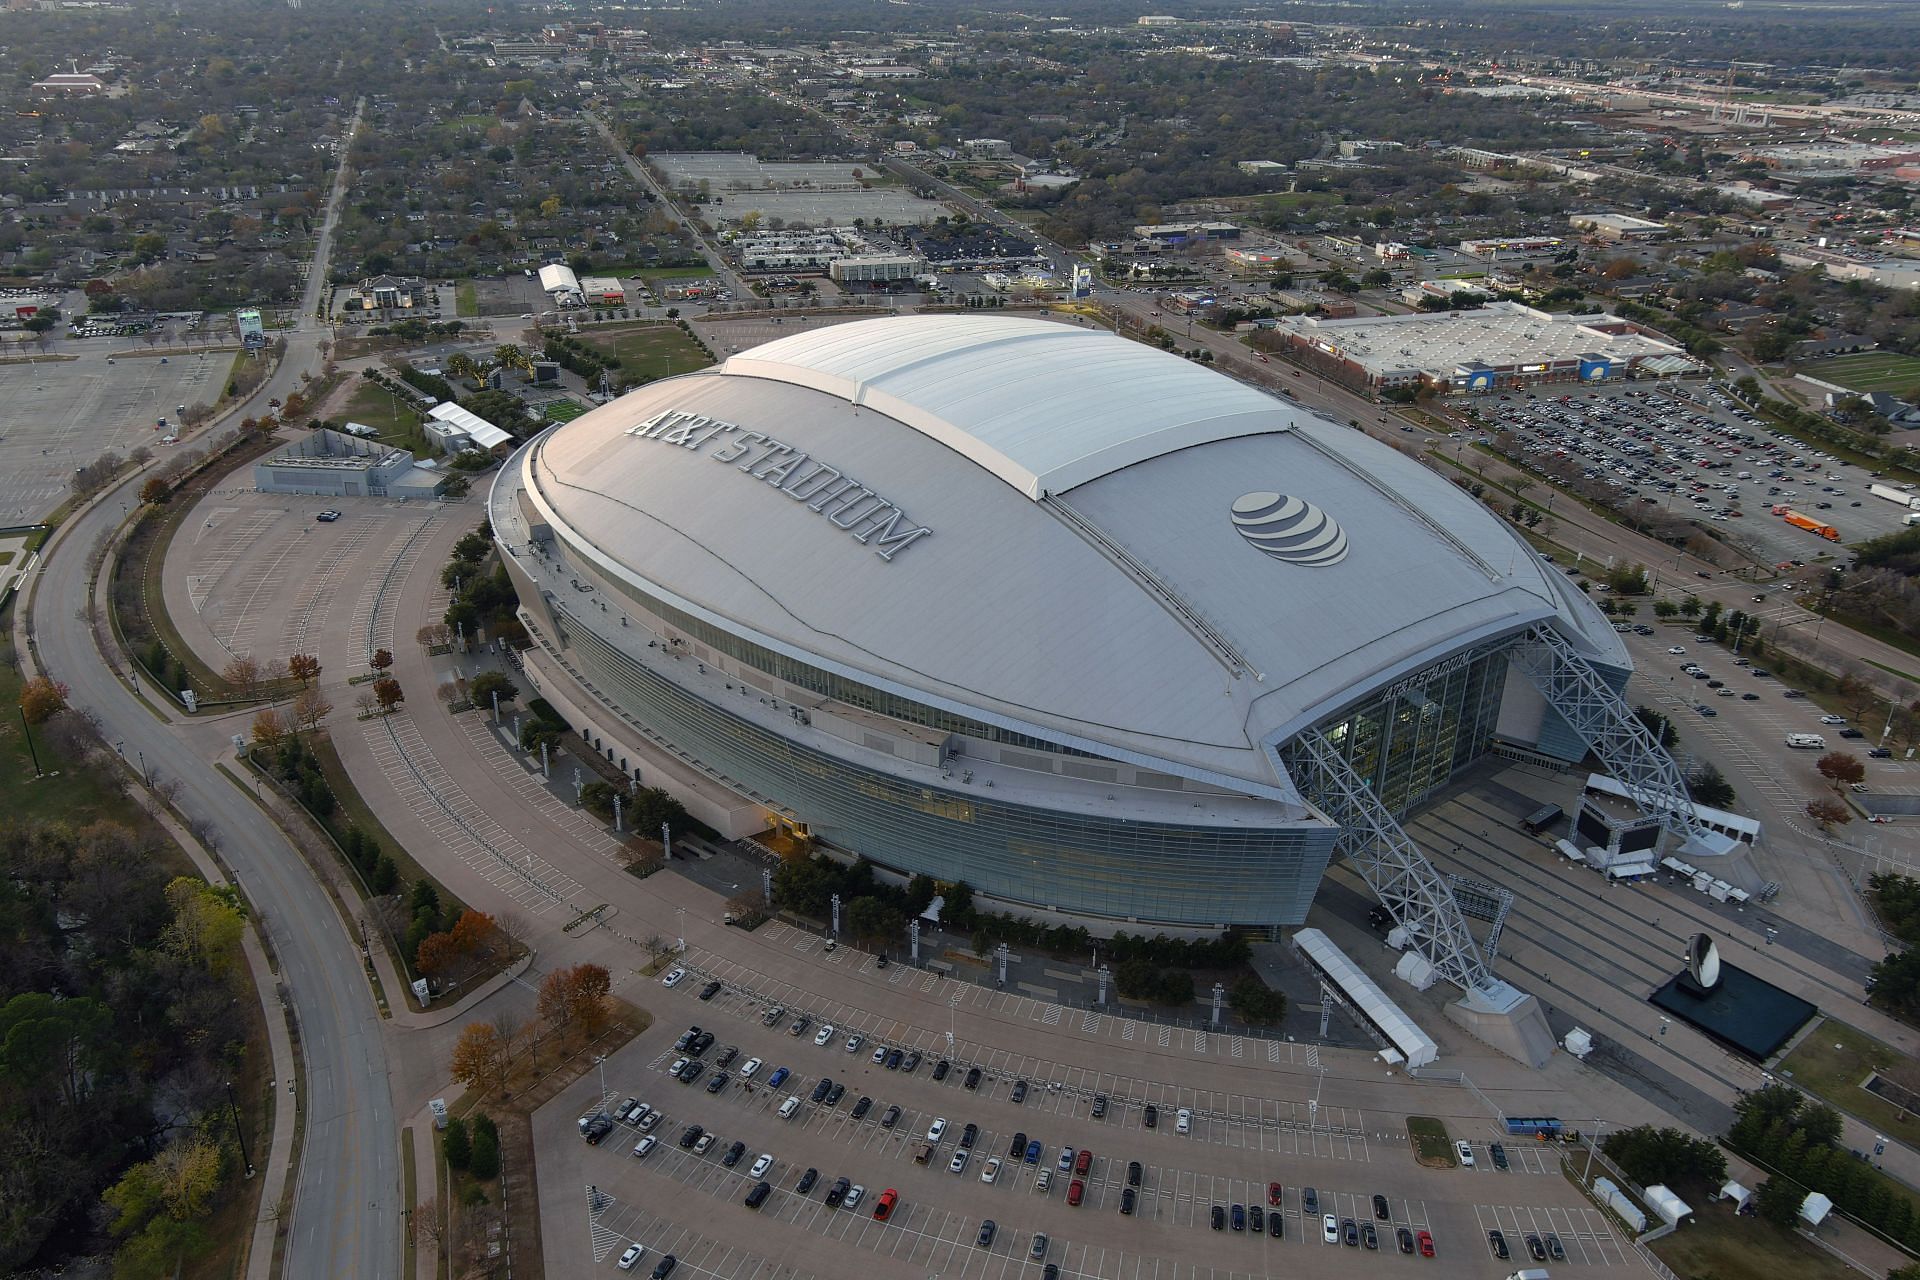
[1420, 898]
[1608, 726]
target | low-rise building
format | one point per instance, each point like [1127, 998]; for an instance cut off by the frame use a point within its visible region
[452, 429]
[878, 268]
[1618, 226]
[335, 465]
[604, 290]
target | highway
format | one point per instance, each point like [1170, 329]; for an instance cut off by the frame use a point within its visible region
[347, 1214]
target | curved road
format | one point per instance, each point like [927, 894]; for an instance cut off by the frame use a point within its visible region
[347, 1214]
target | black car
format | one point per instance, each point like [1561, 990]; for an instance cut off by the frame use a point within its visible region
[772, 1016]
[1256, 1219]
[820, 1090]
[711, 990]
[1405, 1238]
[727, 1055]
[1152, 1116]
[1099, 1106]
[1380, 1210]
[1350, 1233]
[1219, 1217]
[1498, 1243]
[863, 1106]
[690, 1135]
[733, 1155]
[891, 1118]
[968, 1135]
[718, 1082]
[1499, 1154]
[1018, 1147]
[1276, 1225]
[985, 1237]
[1309, 1201]
[912, 1062]
[1554, 1250]
[894, 1059]
[1239, 1218]
[973, 1077]
[835, 1094]
[1127, 1198]
[838, 1192]
[1536, 1248]
[701, 1043]
[1367, 1236]
[807, 1180]
[758, 1196]
[1851, 732]
[1879, 753]
[692, 1071]
[1019, 1093]
[665, 1266]
[941, 1068]
[597, 1128]
[1133, 1173]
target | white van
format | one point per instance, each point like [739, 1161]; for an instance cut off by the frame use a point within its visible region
[791, 1105]
[1806, 742]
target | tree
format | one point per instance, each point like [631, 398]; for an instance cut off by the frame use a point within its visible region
[554, 1001]
[485, 1164]
[42, 698]
[474, 932]
[1709, 786]
[873, 920]
[381, 660]
[242, 675]
[310, 707]
[1841, 768]
[482, 688]
[1649, 1155]
[386, 691]
[436, 954]
[1829, 813]
[578, 994]
[455, 1143]
[304, 667]
[269, 729]
[1254, 1001]
[479, 1056]
[1778, 1201]
[155, 491]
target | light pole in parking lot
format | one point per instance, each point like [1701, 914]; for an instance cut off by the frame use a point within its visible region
[681, 940]
[600, 1060]
[1103, 984]
[1593, 1141]
[836, 917]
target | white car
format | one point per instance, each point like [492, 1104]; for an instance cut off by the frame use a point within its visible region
[645, 1145]
[1330, 1230]
[991, 1171]
[854, 1042]
[672, 978]
[855, 1194]
[760, 1166]
[1466, 1153]
[747, 1070]
[879, 1055]
[959, 1162]
[679, 1065]
[791, 1105]
[1183, 1121]
[823, 1035]
[938, 1127]
[631, 1257]
[1678, 649]
[1833, 719]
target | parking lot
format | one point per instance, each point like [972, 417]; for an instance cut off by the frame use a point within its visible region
[62, 414]
[689, 1202]
[1692, 450]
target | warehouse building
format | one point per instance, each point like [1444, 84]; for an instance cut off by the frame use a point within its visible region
[1491, 348]
[1618, 226]
[877, 268]
[335, 465]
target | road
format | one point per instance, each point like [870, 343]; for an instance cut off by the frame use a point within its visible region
[638, 171]
[347, 1214]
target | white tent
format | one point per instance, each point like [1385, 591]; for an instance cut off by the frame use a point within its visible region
[1738, 1194]
[1578, 1042]
[1669, 1206]
[1815, 1208]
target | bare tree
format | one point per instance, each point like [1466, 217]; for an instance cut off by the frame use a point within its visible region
[425, 1224]
[243, 673]
[513, 926]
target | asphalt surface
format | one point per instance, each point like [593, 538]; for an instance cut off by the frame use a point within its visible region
[347, 1214]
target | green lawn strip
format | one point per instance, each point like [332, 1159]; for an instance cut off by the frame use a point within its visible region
[650, 274]
[1718, 1243]
[1886, 635]
[409, 1196]
[558, 410]
[466, 302]
[1833, 1061]
[1431, 1145]
[1869, 371]
[648, 350]
[398, 425]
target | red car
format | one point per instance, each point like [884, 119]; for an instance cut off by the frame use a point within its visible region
[1426, 1244]
[1076, 1192]
[1273, 1194]
[883, 1208]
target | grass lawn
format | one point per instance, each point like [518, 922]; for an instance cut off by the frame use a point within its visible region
[565, 410]
[649, 350]
[1833, 1063]
[1717, 1243]
[380, 409]
[651, 274]
[64, 794]
[1869, 371]
[466, 298]
[1431, 1145]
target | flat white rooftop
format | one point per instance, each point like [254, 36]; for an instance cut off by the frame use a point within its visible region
[1500, 334]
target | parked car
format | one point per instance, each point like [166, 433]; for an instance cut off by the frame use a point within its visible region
[1019, 1093]
[1498, 1243]
[891, 1118]
[807, 1180]
[761, 1165]
[672, 977]
[1499, 1153]
[863, 1106]
[778, 1078]
[1466, 1153]
[630, 1257]
[709, 991]
[1151, 1116]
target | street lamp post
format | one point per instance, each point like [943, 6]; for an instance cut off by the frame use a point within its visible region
[239, 1133]
[1593, 1143]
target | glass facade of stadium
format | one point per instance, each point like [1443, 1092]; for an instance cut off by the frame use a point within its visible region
[1407, 742]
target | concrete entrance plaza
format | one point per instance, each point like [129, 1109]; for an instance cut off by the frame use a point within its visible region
[256, 573]
[62, 414]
